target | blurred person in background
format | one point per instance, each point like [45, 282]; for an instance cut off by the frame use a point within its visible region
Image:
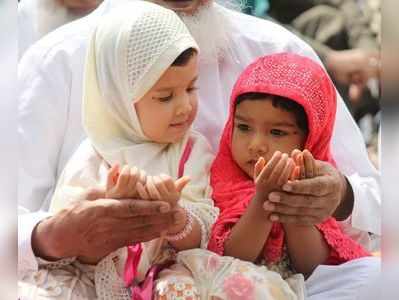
[50, 129]
[36, 18]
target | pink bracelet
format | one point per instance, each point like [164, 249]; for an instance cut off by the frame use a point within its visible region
[185, 231]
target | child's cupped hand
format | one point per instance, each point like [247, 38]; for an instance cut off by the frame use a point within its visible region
[122, 184]
[273, 174]
[281, 168]
[131, 182]
[162, 188]
[305, 164]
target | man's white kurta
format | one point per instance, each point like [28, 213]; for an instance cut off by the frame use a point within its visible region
[50, 129]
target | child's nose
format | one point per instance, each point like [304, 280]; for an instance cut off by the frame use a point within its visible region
[258, 145]
[185, 106]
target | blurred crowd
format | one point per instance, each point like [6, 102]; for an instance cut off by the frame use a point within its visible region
[346, 34]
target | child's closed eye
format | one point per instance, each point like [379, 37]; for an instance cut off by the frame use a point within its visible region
[192, 89]
[165, 99]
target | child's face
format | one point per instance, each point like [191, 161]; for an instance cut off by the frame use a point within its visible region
[167, 111]
[260, 129]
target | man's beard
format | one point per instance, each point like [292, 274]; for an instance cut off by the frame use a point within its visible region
[210, 28]
[51, 14]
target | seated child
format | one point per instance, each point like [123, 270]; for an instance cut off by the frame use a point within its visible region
[138, 107]
[281, 121]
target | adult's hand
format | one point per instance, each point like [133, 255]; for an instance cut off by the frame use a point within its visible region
[353, 65]
[90, 230]
[311, 201]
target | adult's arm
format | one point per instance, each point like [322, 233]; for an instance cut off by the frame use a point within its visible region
[89, 230]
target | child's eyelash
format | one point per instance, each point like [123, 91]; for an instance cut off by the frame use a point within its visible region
[165, 99]
[192, 89]
[242, 127]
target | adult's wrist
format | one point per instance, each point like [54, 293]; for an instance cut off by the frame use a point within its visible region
[182, 221]
[45, 243]
[345, 207]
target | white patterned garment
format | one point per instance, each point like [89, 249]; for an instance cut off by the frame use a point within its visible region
[205, 275]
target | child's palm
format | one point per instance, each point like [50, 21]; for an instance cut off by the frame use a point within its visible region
[274, 174]
[305, 164]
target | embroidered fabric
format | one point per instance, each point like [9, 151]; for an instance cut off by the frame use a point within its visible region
[188, 227]
[68, 281]
[206, 217]
[144, 48]
[109, 284]
[51, 265]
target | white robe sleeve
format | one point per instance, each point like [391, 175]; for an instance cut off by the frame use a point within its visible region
[43, 91]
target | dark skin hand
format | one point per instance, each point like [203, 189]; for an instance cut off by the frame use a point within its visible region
[311, 201]
[90, 230]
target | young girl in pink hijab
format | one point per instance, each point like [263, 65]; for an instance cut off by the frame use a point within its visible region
[281, 120]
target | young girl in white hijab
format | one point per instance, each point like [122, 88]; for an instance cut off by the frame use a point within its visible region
[138, 106]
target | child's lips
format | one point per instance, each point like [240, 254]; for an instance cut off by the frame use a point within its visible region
[179, 124]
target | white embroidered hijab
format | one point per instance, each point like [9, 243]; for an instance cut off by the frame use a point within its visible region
[129, 51]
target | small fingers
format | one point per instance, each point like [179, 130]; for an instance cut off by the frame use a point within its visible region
[309, 164]
[133, 178]
[152, 190]
[267, 170]
[112, 176]
[259, 165]
[301, 164]
[278, 169]
[181, 183]
[142, 191]
[285, 175]
[123, 178]
[168, 182]
[161, 187]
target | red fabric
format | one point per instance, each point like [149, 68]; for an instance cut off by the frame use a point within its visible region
[186, 155]
[305, 82]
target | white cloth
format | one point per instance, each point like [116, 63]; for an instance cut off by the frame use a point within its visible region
[342, 282]
[27, 32]
[37, 18]
[50, 83]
